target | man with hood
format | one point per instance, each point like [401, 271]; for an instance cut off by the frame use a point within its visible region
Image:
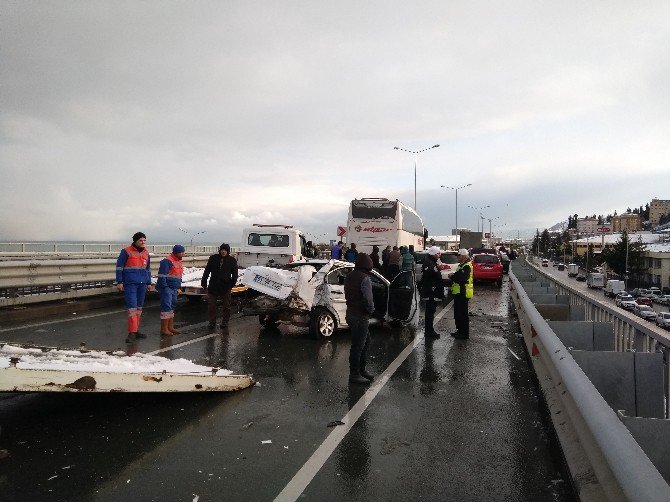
[170, 272]
[360, 306]
[133, 277]
[223, 271]
[407, 259]
[432, 289]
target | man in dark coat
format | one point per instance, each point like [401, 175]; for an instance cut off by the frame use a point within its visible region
[360, 306]
[432, 289]
[223, 271]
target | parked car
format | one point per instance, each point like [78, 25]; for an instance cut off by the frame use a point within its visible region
[663, 300]
[655, 293]
[487, 267]
[645, 312]
[304, 296]
[640, 292]
[447, 264]
[625, 301]
[561, 267]
[545, 263]
[663, 320]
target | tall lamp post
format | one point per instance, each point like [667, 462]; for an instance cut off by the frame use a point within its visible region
[192, 235]
[416, 154]
[479, 209]
[457, 189]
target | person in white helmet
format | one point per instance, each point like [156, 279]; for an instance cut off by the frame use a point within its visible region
[432, 289]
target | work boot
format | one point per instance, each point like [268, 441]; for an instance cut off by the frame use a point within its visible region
[165, 330]
[432, 334]
[171, 328]
[211, 325]
[358, 379]
[367, 375]
[130, 338]
[140, 335]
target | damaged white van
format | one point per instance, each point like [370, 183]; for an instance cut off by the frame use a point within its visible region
[305, 296]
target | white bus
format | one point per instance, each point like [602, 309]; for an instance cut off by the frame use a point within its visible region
[384, 222]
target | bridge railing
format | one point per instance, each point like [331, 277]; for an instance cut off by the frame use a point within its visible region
[606, 461]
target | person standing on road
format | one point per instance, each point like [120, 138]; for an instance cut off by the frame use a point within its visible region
[133, 277]
[351, 254]
[462, 290]
[432, 289]
[223, 271]
[336, 251]
[170, 272]
[374, 256]
[407, 259]
[360, 306]
[395, 259]
[385, 260]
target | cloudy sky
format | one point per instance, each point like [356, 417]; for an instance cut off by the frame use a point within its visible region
[208, 116]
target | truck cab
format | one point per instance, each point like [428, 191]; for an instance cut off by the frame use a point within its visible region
[271, 246]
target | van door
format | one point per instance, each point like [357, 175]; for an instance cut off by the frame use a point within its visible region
[334, 294]
[403, 297]
[380, 294]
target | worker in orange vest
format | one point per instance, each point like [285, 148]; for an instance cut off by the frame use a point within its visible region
[170, 272]
[133, 277]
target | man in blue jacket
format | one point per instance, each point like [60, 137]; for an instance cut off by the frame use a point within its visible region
[133, 277]
[169, 281]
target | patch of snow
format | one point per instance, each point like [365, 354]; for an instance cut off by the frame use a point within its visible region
[97, 361]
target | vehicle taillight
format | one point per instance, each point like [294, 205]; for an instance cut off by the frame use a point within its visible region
[444, 267]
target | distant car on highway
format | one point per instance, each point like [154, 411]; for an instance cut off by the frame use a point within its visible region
[645, 312]
[663, 300]
[545, 263]
[641, 300]
[625, 301]
[663, 320]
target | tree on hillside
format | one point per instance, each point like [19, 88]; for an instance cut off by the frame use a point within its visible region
[665, 218]
[615, 256]
[645, 213]
[600, 219]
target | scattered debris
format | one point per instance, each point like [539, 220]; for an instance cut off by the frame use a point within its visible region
[267, 441]
[246, 426]
[335, 423]
[52, 477]
[511, 352]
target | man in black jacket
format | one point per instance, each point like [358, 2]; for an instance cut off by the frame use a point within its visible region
[432, 289]
[223, 271]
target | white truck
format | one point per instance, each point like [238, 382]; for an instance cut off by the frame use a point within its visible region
[573, 270]
[613, 288]
[595, 280]
[271, 246]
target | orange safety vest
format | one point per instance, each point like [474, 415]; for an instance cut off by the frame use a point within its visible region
[177, 268]
[136, 260]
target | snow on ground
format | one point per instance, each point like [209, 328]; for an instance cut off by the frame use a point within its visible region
[104, 362]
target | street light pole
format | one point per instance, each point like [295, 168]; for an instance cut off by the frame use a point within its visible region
[416, 156]
[457, 189]
[479, 209]
[192, 235]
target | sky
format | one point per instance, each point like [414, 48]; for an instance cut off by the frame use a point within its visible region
[176, 118]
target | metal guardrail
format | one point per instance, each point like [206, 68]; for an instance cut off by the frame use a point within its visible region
[51, 250]
[623, 470]
[32, 281]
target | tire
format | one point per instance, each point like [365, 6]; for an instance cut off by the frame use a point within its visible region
[322, 324]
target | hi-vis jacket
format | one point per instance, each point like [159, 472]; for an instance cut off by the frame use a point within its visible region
[463, 280]
[132, 266]
[170, 271]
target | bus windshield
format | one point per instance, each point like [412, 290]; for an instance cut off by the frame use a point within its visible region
[375, 210]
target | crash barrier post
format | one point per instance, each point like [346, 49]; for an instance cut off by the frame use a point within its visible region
[595, 441]
[25, 282]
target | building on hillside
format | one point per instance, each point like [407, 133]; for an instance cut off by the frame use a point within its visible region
[658, 262]
[658, 208]
[597, 241]
[587, 226]
[627, 222]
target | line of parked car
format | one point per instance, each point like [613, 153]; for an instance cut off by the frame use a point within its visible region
[642, 306]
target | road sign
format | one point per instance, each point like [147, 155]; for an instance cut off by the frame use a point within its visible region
[603, 230]
[341, 231]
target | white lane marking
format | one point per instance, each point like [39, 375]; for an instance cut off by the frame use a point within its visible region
[70, 319]
[187, 342]
[304, 476]
[514, 354]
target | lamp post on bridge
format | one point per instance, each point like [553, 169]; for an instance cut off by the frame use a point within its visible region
[415, 153]
[479, 209]
[191, 235]
[458, 240]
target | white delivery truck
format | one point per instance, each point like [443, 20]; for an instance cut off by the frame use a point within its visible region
[573, 270]
[613, 288]
[595, 280]
[271, 246]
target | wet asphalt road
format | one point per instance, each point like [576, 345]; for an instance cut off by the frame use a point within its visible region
[458, 420]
